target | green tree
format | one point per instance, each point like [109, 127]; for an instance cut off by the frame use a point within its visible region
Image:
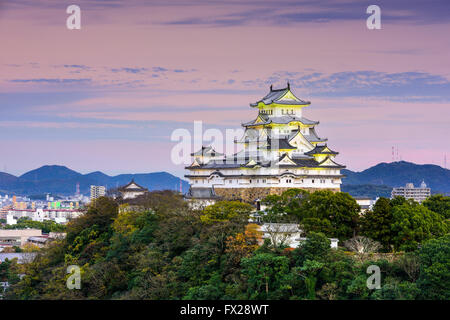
[398, 201]
[334, 214]
[309, 271]
[439, 204]
[376, 224]
[46, 226]
[226, 210]
[283, 208]
[315, 247]
[412, 224]
[265, 273]
[434, 278]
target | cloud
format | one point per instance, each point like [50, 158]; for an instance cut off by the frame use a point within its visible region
[130, 70]
[288, 12]
[59, 125]
[48, 80]
[76, 66]
[400, 85]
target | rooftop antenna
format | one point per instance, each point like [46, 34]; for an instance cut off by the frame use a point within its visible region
[271, 87]
[289, 85]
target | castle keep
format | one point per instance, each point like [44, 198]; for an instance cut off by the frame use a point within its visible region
[280, 150]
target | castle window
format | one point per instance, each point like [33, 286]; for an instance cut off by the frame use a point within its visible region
[312, 181]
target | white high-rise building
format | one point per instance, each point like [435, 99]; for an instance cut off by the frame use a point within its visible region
[410, 192]
[97, 192]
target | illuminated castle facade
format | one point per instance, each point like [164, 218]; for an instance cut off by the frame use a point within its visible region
[280, 150]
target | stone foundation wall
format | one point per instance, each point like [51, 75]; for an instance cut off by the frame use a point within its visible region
[251, 194]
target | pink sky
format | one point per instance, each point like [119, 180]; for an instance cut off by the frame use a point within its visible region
[112, 92]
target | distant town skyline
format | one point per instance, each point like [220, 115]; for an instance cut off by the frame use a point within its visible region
[108, 96]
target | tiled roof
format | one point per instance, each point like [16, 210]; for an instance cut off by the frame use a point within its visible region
[274, 96]
[319, 150]
[277, 144]
[281, 120]
[313, 137]
[139, 187]
[207, 151]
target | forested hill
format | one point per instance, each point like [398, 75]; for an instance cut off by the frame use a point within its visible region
[60, 180]
[399, 173]
[375, 181]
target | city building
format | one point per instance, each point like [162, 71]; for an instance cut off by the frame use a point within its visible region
[201, 197]
[366, 203]
[40, 214]
[286, 234]
[22, 257]
[97, 192]
[132, 190]
[280, 150]
[17, 237]
[410, 192]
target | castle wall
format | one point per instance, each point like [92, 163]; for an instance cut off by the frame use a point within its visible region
[251, 194]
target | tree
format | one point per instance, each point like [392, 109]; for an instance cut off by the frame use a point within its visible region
[362, 245]
[226, 210]
[410, 264]
[315, 247]
[434, 278]
[283, 208]
[413, 224]
[439, 204]
[100, 213]
[398, 201]
[376, 224]
[334, 214]
[264, 273]
[308, 272]
[46, 226]
[243, 244]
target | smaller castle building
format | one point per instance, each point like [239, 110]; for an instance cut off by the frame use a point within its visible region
[132, 190]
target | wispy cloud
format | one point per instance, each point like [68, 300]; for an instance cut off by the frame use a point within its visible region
[47, 80]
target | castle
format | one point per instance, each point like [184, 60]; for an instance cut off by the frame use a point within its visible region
[280, 150]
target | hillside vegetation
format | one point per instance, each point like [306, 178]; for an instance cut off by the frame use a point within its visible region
[161, 249]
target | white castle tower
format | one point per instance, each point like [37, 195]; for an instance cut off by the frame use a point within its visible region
[281, 150]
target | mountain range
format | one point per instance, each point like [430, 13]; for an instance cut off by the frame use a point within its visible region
[60, 180]
[384, 176]
[374, 181]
